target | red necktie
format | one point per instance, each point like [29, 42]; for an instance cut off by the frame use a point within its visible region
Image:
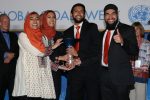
[77, 37]
[106, 47]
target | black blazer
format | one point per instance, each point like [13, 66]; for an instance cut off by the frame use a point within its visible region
[59, 50]
[88, 50]
[119, 56]
[14, 48]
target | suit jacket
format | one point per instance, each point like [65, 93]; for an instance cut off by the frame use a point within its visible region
[57, 74]
[13, 48]
[59, 50]
[119, 56]
[88, 50]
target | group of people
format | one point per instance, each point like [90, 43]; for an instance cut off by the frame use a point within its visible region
[99, 68]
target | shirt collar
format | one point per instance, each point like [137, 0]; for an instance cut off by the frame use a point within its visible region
[79, 25]
[4, 31]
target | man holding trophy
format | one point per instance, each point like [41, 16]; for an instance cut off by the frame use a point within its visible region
[82, 49]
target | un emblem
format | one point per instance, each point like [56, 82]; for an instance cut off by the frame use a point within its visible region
[139, 13]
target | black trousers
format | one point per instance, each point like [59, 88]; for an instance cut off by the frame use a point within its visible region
[57, 82]
[7, 75]
[82, 84]
[110, 91]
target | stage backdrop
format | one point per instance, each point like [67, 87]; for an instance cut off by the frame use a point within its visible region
[129, 11]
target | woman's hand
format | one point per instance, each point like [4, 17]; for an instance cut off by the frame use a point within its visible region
[62, 58]
[48, 51]
[54, 66]
[57, 43]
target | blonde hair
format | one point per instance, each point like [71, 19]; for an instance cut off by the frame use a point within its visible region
[140, 26]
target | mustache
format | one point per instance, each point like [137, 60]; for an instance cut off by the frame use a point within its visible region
[111, 26]
[78, 21]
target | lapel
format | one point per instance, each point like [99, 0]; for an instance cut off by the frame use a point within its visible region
[102, 36]
[71, 33]
[11, 37]
[112, 43]
[103, 32]
[83, 29]
[101, 40]
[3, 42]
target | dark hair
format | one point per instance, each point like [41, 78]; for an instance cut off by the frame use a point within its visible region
[2, 15]
[111, 6]
[140, 26]
[78, 4]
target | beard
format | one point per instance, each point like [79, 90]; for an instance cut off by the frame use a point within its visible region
[111, 26]
[78, 21]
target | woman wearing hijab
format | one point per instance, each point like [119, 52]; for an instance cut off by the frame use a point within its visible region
[33, 80]
[48, 23]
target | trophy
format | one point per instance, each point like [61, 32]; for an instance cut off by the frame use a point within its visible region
[48, 44]
[69, 42]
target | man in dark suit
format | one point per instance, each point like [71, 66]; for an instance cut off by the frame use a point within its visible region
[8, 56]
[118, 43]
[83, 79]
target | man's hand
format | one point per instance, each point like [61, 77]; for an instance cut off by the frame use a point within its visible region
[62, 58]
[68, 67]
[71, 50]
[7, 61]
[77, 61]
[118, 38]
[9, 57]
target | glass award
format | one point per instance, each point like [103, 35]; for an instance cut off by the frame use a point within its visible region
[68, 43]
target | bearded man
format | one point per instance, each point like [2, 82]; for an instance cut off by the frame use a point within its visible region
[83, 79]
[118, 44]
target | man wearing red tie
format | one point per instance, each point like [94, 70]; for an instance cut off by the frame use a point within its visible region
[83, 79]
[118, 43]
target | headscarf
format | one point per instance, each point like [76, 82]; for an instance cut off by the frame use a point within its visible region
[34, 35]
[47, 30]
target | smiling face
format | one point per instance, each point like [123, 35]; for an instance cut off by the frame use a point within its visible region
[110, 16]
[34, 21]
[139, 33]
[78, 14]
[51, 19]
[4, 23]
